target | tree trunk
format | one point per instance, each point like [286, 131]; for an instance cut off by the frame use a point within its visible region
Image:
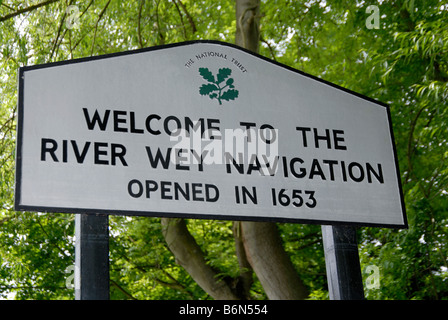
[261, 240]
[189, 255]
[246, 272]
[258, 245]
[247, 24]
[270, 261]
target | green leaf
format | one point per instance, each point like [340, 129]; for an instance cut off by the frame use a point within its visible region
[207, 75]
[231, 94]
[223, 74]
[230, 82]
[207, 89]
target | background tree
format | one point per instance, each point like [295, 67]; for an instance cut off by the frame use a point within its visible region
[402, 63]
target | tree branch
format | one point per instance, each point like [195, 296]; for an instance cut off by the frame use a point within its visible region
[96, 25]
[411, 147]
[127, 294]
[190, 256]
[181, 19]
[190, 19]
[159, 31]
[139, 24]
[85, 33]
[57, 36]
[271, 50]
[6, 6]
[27, 9]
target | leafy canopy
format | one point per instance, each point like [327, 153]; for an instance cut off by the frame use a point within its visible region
[402, 63]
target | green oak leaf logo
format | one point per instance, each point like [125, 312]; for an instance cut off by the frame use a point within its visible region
[215, 88]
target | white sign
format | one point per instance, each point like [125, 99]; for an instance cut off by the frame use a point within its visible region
[203, 130]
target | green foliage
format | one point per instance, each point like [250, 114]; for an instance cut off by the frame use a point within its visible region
[36, 250]
[403, 63]
[142, 267]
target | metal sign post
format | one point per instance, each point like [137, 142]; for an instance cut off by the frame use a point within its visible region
[92, 257]
[342, 262]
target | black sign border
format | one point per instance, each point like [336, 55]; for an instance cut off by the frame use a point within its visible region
[18, 174]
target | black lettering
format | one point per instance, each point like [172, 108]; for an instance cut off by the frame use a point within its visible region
[254, 164]
[325, 137]
[208, 195]
[45, 148]
[98, 152]
[316, 170]
[102, 123]
[211, 127]
[185, 192]
[285, 166]
[239, 166]
[248, 125]
[165, 161]
[80, 156]
[378, 175]
[180, 158]
[271, 169]
[150, 186]
[118, 151]
[304, 131]
[199, 159]
[165, 188]
[139, 185]
[337, 139]
[352, 175]
[272, 134]
[133, 128]
[148, 124]
[293, 169]
[330, 163]
[175, 191]
[64, 150]
[246, 194]
[199, 125]
[237, 195]
[197, 191]
[344, 171]
[118, 120]
[167, 128]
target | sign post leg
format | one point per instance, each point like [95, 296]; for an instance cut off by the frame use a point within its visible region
[92, 257]
[342, 263]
